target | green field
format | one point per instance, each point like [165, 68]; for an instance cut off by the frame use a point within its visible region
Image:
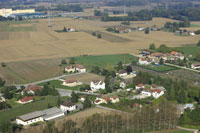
[160, 68]
[194, 25]
[27, 108]
[58, 84]
[9, 26]
[105, 60]
[189, 50]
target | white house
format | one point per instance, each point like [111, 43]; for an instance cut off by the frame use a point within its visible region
[75, 68]
[146, 92]
[68, 106]
[139, 86]
[97, 85]
[100, 100]
[71, 82]
[70, 69]
[79, 68]
[195, 66]
[122, 85]
[122, 73]
[114, 99]
[26, 99]
[156, 93]
[144, 61]
[39, 116]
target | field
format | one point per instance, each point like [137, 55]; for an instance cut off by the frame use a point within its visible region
[27, 108]
[160, 68]
[103, 61]
[32, 50]
[172, 131]
[189, 50]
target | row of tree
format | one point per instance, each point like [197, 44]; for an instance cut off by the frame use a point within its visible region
[147, 119]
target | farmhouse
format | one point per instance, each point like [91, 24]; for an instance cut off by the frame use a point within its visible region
[122, 73]
[156, 93]
[144, 61]
[146, 92]
[26, 99]
[97, 85]
[139, 86]
[67, 106]
[195, 66]
[71, 82]
[122, 85]
[75, 68]
[38, 116]
[31, 89]
[105, 100]
[146, 53]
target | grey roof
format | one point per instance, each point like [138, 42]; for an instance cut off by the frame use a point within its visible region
[51, 112]
[161, 88]
[68, 104]
[31, 115]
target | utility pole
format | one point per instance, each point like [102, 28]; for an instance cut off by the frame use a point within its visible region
[49, 14]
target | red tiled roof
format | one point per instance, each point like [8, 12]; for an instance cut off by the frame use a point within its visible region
[70, 80]
[140, 85]
[26, 99]
[97, 101]
[33, 88]
[156, 90]
[173, 53]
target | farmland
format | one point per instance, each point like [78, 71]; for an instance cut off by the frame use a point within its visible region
[160, 68]
[32, 50]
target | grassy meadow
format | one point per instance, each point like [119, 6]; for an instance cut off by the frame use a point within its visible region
[103, 61]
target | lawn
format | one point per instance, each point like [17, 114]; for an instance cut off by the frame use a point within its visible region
[160, 68]
[27, 108]
[189, 50]
[58, 84]
[105, 60]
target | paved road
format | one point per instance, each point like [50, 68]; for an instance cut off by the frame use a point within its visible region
[183, 67]
[50, 79]
[187, 129]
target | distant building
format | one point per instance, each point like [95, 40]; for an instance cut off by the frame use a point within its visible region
[75, 68]
[71, 82]
[195, 66]
[144, 61]
[8, 12]
[97, 85]
[122, 73]
[139, 86]
[122, 85]
[31, 89]
[67, 106]
[39, 116]
[156, 93]
[26, 99]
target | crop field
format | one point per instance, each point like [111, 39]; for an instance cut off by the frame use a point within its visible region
[105, 60]
[27, 108]
[32, 50]
[161, 68]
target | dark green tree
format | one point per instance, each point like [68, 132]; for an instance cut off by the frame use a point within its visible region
[72, 61]
[161, 62]
[152, 46]
[87, 103]
[63, 61]
[146, 31]
[99, 36]
[74, 97]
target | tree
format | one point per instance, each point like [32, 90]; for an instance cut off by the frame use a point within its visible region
[7, 94]
[198, 44]
[63, 61]
[163, 49]
[161, 62]
[3, 64]
[129, 69]
[119, 66]
[59, 101]
[86, 103]
[172, 92]
[146, 31]
[2, 82]
[64, 29]
[182, 97]
[72, 61]
[152, 46]
[93, 33]
[74, 97]
[99, 36]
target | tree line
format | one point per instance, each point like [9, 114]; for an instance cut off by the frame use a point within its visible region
[153, 118]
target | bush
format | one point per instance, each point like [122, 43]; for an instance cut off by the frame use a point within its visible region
[198, 44]
[99, 36]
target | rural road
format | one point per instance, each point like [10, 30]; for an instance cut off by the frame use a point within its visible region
[182, 67]
[187, 129]
[50, 79]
